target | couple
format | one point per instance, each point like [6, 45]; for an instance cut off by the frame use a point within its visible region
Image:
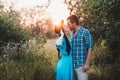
[75, 53]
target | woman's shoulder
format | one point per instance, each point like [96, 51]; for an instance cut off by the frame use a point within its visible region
[69, 39]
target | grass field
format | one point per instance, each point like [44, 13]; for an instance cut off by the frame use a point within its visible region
[51, 52]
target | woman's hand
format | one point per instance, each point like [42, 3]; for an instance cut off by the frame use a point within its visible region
[61, 32]
[59, 40]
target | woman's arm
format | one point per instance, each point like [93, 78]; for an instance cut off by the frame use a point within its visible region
[59, 40]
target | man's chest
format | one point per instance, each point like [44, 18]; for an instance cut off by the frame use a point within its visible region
[78, 40]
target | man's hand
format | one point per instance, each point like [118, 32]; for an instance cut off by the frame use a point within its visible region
[87, 62]
[86, 67]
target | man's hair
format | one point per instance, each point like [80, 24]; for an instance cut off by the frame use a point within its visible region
[73, 19]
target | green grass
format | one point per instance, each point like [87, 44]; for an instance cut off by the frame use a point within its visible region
[51, 52]
[33, 62]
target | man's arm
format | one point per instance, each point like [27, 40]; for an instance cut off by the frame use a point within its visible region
[89, 44]
[86, 65]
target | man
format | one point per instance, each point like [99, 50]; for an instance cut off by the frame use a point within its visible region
[82, 46]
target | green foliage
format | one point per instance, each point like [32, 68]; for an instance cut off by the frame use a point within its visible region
[102, 66]
[106, 72]
[22, 57]
[26, 61]
[101, 54]
[102, 18]
[10, 30]
[104, 23]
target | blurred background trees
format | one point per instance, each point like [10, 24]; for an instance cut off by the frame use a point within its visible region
[102, 18]
[22, 54]
[10, 29]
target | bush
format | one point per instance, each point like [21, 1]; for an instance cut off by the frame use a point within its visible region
[26, 62]
[10, 30]
[102, 67]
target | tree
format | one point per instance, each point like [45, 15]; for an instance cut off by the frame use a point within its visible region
[102, 18]
[10, 30]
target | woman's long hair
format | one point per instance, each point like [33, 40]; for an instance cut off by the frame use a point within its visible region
[68, 47]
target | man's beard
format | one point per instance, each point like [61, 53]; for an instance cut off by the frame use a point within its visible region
[72, 29]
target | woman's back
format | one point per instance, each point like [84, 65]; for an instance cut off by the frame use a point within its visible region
[64, 69]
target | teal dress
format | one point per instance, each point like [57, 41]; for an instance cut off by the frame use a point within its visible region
[64, 68]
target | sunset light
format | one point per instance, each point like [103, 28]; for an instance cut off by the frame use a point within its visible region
[58, 11]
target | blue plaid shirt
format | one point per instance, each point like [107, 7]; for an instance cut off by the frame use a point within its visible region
[81, 42]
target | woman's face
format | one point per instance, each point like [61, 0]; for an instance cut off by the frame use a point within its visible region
[66, 28]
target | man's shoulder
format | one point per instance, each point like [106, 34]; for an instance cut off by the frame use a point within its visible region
[85, 30]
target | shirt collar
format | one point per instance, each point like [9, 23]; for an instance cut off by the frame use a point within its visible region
[77, 32]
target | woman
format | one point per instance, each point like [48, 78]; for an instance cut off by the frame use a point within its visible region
[64, 69]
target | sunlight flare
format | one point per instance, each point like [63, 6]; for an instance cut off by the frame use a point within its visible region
[58, 10]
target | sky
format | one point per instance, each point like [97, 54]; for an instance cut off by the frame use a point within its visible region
[29, 3]
[25, 3]
[57, 9]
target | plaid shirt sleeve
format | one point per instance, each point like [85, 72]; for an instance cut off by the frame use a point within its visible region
[89, 40]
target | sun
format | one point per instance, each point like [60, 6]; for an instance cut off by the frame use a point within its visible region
[58, 11]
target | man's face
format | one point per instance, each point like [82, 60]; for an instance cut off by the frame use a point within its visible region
[70, 25]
